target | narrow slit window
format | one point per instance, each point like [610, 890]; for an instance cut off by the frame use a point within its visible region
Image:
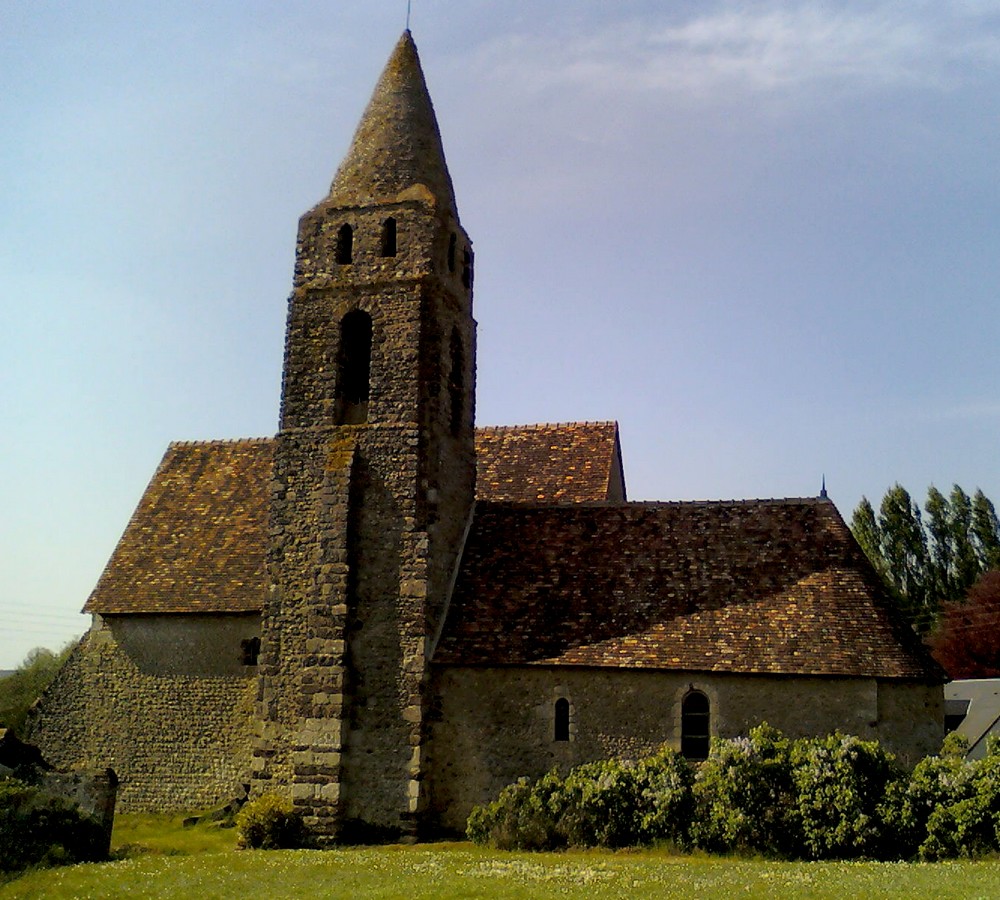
[456, 383]
[695, 726]
[250, 651]
[389, 237]
[354, 359]
[562, 719]
[467, 268]
[451, 253]
[345, 245]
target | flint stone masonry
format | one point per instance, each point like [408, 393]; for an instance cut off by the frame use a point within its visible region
[177, 739]
[367, 518]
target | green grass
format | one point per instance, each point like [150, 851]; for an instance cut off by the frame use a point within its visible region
[443, 871]
[140, 833]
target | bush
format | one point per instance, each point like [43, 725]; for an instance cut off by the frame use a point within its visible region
[843, 785]
[37, 830]
[269, 823]
[745, 795]
[597, 805]
[936, 782]
[522, 817]
[666, 799]
[952, 807]
[610, 803]
[836, 797]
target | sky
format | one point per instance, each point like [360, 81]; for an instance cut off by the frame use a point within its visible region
[763, 237]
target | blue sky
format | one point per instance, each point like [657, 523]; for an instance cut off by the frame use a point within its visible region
[762, 236]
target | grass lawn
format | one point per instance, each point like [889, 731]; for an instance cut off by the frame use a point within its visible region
[167, 860]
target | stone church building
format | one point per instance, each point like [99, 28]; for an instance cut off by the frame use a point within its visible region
[388, 614]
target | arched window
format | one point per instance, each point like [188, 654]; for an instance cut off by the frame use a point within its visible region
[354, 359]
[451, 253]
[345, 244]
[694, 726]
[467, 268]
[456, 382]
[389, 237]
[562, 719]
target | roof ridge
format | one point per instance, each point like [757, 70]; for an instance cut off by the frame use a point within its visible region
[750, 501]
[214, 442]
[539, 426]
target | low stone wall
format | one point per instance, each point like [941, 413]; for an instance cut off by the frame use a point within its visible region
[494, 725]
[175, 740]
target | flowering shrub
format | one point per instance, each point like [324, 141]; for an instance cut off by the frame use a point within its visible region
[836, 797]
[952, 807]
[601, 804]
[844, 788]
[269, 823]
[745, 796]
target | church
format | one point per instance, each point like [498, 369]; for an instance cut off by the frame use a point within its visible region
[387, 614]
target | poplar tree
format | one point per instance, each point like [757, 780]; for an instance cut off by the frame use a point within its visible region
[986, 529]
[904, 550]
[929, 561]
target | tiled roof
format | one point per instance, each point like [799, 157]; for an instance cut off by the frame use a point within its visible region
[775, 587]
[570, 462]
[196, 542]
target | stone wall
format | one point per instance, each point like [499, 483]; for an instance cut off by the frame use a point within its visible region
[175, 725]
[494, 725]
[373, 487]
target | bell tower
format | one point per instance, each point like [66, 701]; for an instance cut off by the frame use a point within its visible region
[374, 474]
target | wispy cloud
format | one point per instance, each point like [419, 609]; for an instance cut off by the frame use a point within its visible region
[764, 48]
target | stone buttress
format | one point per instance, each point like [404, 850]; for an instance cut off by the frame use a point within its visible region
[374, 475]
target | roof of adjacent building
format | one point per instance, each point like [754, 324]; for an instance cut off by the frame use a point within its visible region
[980, 704]
[197, 540]
[570, 462]
[764, 586]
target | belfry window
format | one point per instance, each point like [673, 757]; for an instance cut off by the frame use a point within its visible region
[389, 237]
[451, 253]
[344, 253]
[694, 725]
[456, 382]
[561, 730]
[467, 268]
[354, 359]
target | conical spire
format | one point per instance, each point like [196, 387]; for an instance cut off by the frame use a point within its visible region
[396, 153]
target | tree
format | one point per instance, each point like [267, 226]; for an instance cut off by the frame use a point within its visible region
[25, 684]
[926, 562]
[864, 525]
[904, 550]
[986, 530]
[967, 641]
